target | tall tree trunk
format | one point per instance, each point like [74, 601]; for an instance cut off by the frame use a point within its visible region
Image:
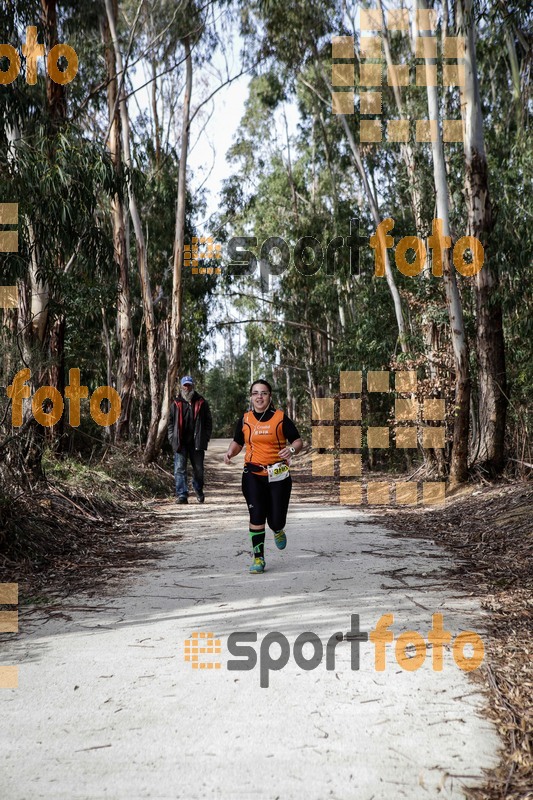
[389, 275]
[174, 359]
[31, 327]
[459, 460]
[57, 112]
[489, 327]
[106, 341]
[55, 92]
[509, 36]
[406, 148]
[56, 375]
[126, 359]
[408, 155]
[290, 174]
[157, 129]
[142, 258]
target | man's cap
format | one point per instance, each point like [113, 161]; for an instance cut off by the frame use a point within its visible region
[187, 379]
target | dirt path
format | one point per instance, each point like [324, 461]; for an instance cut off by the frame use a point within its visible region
[107, 706]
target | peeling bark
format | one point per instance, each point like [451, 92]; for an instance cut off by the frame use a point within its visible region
[459, 459]
[126, 360]
[490, 344]
[142, 258]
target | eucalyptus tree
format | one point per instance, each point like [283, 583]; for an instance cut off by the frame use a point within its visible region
[116, 89]
[57, 177]
[492, 378]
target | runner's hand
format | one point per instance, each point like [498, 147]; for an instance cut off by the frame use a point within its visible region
[227, 459]
[285, 453]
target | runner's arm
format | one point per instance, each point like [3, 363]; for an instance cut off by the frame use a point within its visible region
[233, 450]
[286, 453]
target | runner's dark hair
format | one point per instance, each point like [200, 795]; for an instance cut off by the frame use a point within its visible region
[261, 380]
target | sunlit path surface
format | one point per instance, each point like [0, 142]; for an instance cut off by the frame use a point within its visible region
[107, 706]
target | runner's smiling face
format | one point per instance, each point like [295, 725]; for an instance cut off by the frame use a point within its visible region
[260, 397]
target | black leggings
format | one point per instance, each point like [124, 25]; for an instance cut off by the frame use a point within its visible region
[266, 501]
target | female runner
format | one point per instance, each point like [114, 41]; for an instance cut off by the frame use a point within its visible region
[271, 438]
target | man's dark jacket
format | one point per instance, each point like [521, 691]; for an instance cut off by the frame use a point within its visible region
[203, 423]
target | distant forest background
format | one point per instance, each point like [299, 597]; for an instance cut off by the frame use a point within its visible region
[105, 211]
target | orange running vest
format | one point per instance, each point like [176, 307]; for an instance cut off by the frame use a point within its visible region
[263, 440]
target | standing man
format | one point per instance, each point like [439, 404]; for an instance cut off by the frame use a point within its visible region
[189, 430]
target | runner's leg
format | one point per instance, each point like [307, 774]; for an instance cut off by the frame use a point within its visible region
[256, 496]
[278, 503]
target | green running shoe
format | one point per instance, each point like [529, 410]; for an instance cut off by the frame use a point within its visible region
[281, 540]
[258, 564]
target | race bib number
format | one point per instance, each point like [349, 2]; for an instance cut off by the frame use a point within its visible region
[277, 472]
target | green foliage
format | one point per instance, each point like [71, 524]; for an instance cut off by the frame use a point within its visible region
[226, 389]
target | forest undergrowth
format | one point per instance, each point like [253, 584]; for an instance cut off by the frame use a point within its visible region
[88, 519]
[488, 529]
[92, 519]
